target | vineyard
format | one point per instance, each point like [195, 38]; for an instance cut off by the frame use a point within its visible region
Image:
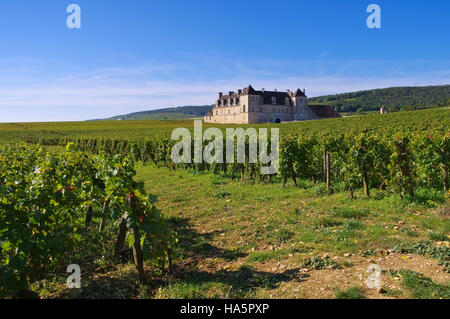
[392, 155]
[66, 186]
[47, 205]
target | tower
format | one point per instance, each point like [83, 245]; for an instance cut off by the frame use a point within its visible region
[299, 99]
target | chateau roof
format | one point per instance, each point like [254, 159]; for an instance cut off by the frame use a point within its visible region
[248, 90]
[324, 111]
[267, 95]
[299, 93]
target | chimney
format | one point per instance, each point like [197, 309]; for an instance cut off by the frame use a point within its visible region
[220, 94]
[303, 91]
[275, 90]
[288, 92]
[239, 91]
[262, 90]
[230, 93]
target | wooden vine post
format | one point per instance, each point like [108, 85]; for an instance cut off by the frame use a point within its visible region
[327, 169]
[120, 242]
[366, 183]
[138, 255]
[89, 213]
[445, 173]
[102, 224]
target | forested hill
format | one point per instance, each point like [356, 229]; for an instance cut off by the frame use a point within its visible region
[178, 112]
[395, 98]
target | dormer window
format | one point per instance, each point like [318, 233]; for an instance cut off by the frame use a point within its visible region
[274, 100]
[287, 101]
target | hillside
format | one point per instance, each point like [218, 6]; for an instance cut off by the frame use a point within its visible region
[395, 98]
[180, 112]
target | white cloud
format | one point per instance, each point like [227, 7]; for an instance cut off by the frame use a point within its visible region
[105, 92]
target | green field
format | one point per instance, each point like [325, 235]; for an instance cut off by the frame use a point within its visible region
[418, 121]
[248, 238]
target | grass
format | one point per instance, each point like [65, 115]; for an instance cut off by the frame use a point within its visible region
[319, 263]
[346, 212]
[395, 293]
[270, 223]
[264, 256]
[350, 293]
[438, 236]
[427, 248]
[421, 287]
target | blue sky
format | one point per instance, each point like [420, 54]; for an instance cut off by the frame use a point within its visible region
[137, 55]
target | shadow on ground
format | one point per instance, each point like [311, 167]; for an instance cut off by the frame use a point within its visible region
[198, 245]
[193, 247]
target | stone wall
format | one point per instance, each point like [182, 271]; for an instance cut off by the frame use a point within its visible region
[250, 111]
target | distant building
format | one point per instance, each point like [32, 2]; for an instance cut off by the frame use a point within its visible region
[249, 106]
[383, 110]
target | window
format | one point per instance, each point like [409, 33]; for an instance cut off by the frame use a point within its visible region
[287, 102]
[243, 109]
[260, 109]
[261, 99]
[274, 100]
[228, 111]
[237, 100]
[287, 110]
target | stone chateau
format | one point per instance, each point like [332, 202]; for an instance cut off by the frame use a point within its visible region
[249, 106]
